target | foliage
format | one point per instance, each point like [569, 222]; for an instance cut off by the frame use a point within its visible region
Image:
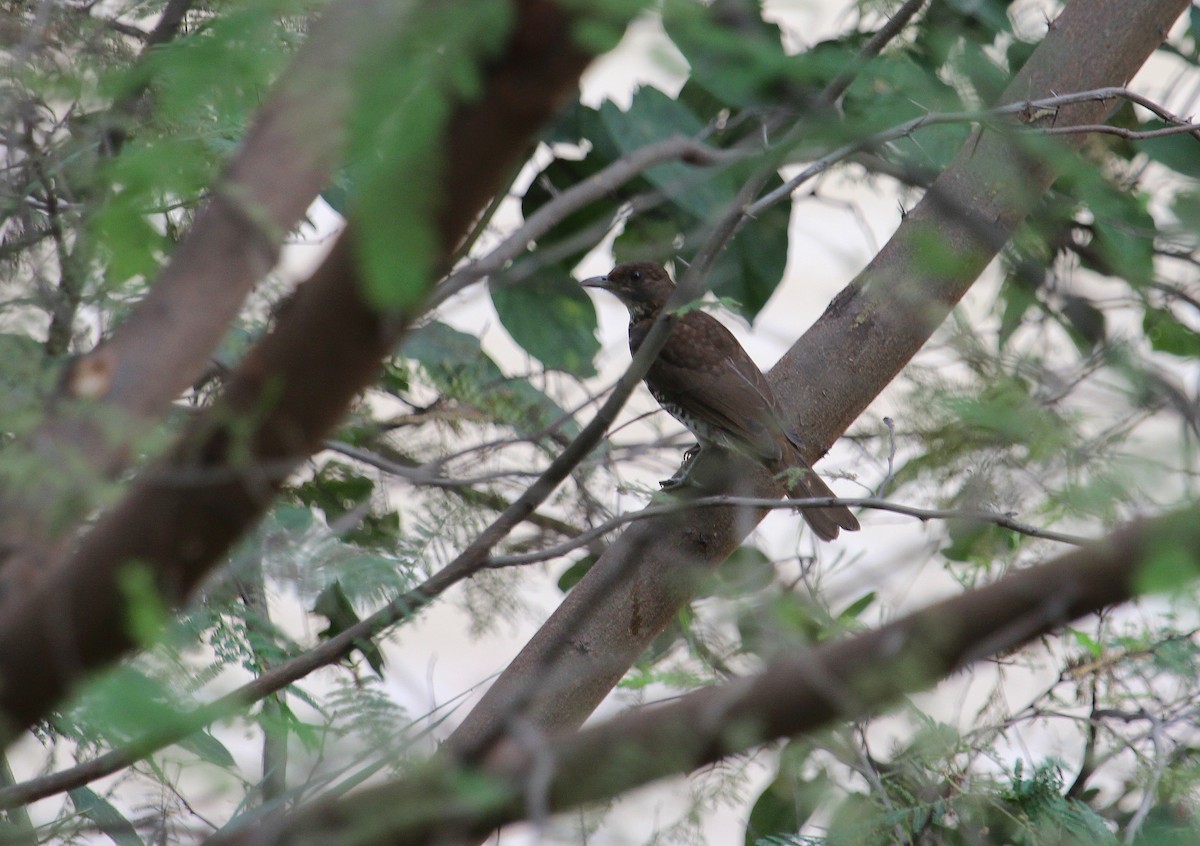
[1064, 394]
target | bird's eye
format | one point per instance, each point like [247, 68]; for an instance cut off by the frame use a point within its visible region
[636, 275]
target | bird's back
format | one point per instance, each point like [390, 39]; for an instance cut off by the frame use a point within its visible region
[705, 379]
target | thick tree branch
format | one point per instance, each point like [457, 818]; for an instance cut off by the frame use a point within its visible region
[843, 679]
[166, 342]
[179, 520]
[864, 339]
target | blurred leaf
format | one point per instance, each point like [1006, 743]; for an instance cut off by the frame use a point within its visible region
[1167, 334]
[653, 235]
[855, 609]
[575, 573]
[653, 116]
[111, 822]
[1180, 153]
[1018, 299]
[973, 540]
[751, 267]
[126, 703]
[208, 748]
[396, 158]
[788, 801]
[564, 173]
[732, 52]
[460, 368]
[746, 570]
[336, 489]
[893, 88]
[1087, 322]
[552, 319]
[335, 606]
[1186, 208]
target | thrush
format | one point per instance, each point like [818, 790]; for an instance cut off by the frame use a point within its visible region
[708, 382]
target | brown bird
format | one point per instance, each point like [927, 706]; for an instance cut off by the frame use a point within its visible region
[707, 382]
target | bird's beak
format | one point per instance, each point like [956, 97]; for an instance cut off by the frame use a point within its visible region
[595, 282]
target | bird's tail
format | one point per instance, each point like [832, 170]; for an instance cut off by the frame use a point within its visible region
[804, 483]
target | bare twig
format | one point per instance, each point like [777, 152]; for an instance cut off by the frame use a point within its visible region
[1005, 521]
[613, 176]
[1026, 111]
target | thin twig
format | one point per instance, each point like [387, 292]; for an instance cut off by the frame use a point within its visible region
[1006, 521]
[1026, 111]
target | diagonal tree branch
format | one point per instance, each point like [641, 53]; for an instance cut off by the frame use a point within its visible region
[866, 336]
[179, 519]
[165, 344]
[842, 679]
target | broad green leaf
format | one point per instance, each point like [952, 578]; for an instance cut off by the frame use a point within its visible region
[1018, 299]
[406, 88]
[335, 606]
[459, 367]
[1087, 324]
[653, 116]
[573, 574]
[751, 267]
[745, 571]
[732, 52]
[1181, 153]
[336, 489]
[107, 819]
[551, 318]
[556, 177]
[1167, 334]
[653, 235]
[1186, 208]
[205, 746]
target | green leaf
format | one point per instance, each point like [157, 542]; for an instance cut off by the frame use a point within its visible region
[1167, 334]
[1086, 642]
[855, 609]
[1086, 322]
[1180, 153]
[575, 573]
[746, 570]
[653, 116]
[406, 88]
[1186, 208]
[336, 489]
[208, 748]
[552, 319]
[126, 703]
[751, 267]
[106, 818]
[1167, 568]
[335, 606]
[1018, 299]
[563, 173]
[732, 52]
[147, 613]
[460, 368]
[788, 801]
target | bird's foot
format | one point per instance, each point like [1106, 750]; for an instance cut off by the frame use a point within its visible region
[680, 479]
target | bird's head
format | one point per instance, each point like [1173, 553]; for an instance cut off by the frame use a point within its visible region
[643, 286]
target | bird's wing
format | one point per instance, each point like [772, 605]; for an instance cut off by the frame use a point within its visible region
[705, 371]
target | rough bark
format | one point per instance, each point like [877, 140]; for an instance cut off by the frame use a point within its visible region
[866, 336]
[178, 521]
[165, 344]
[842, 679]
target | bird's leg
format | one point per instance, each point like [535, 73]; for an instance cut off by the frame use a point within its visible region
[681, 475]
